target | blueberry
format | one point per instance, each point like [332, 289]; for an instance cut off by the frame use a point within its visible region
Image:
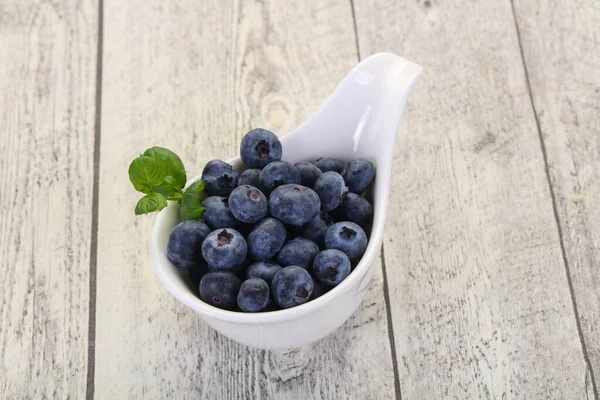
[337, 214]
[331, 267]
[347, 237]
[224, 249]
[195, 273]
[242, 267]
[330, 164]
[272, 306]
[245, 229]
[217, 214]
[248, 204]
[260, 147]
[265, 270]
[253, 295]
[292, 286]
[316, 228]
[249, 177]
[239, 269]
[357, 209]
[276, 174]
[331, 190]
[358, 174]
[309, 173]
[294, 204]
[185, 241]
[220, 289]
[298, 251]
[219, 178]
[290, 231]
[318, 290]
[266, 239]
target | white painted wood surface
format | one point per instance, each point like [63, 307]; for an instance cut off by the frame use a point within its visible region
[563, 66]
[47, 89]
[197, 88]
[484, 304]
[481, 306]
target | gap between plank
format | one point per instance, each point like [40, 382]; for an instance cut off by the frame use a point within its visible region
[390, 326]
[554, 207]
[355, 29]
[89, 391]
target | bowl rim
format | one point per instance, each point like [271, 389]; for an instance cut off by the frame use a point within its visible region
[161, 263]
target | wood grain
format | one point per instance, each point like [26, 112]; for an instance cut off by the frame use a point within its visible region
[47, 88]
[480, 300]
[194, 76]
[563, 65]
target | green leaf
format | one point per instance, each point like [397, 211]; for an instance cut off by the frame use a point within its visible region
[190, 206]
[150, 203]
[169, 188]
[169, 180]
[145, 173]
[172, 165]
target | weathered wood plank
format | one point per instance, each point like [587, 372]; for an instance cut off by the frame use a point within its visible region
[194, 76]
[560, 44]
[47, 88]
[480, 301]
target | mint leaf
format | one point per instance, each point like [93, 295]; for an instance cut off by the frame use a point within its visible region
[190, 206]
[149, 203]
[169, 188]
[145, 173]
[159, 173]
[173, 167]
[169, 180]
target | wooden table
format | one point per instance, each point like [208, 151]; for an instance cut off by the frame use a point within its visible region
[489, 277]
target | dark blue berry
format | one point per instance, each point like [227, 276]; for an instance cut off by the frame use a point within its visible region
[265, 270]
[249, 177]
[318, 290]
[331, 267]
[242, 267]
[309, 173]
[298, 251]
[185, 241]
[272, 306]
[245, 229]
[316, 228]
[248, 204]
[347, 237]
[260, 147]
[220, 289]
[337, 215]
[266, 239]
[195, 273]
[357, 209]
[330, 164]
[217, 214]
[219, 178]
[358, 174]
[276, 174]
[224, 249]
[253, 295]
[294, 204]
[238, 269]
[331, 190]
[291, 286]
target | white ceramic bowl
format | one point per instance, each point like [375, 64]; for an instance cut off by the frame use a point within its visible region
[360, 119]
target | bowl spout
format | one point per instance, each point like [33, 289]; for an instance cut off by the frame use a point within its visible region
[361, 116]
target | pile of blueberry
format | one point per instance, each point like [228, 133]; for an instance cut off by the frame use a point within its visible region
[277, 235]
